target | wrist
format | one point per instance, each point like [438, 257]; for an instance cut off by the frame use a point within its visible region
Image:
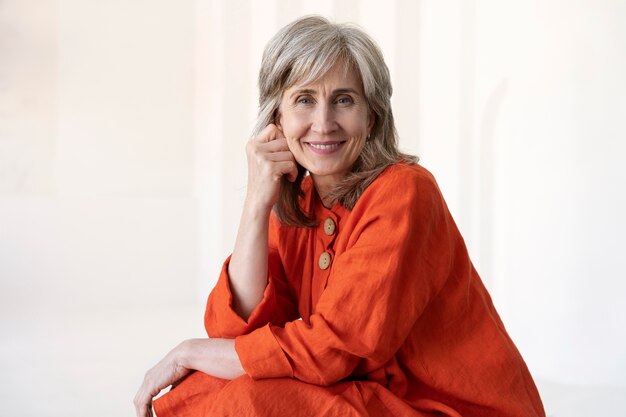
[183, 355]
[253, 208]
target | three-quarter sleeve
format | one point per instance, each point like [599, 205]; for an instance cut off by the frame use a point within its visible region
[398, 257]
[277, 305]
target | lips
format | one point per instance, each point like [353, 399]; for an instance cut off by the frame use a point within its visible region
[324, 147]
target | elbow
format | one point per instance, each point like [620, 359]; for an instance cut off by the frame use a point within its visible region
[328, 379]
[322, 380]
[330, 373]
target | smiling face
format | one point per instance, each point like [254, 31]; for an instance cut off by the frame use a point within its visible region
[326, 124]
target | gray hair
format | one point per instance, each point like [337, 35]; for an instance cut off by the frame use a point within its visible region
[303, 52]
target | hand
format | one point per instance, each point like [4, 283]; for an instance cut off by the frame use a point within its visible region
[165, 373]
[216, 357]
[269, 159]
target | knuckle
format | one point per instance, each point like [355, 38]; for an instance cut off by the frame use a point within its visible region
[148, 377]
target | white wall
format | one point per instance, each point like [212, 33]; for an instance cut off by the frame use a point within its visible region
[122, 171]
[96, 174]
[553, 74]
[98, 221]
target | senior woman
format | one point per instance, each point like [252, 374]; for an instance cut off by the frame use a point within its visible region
[350, 291]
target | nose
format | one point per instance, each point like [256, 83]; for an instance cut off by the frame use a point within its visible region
[323, 120]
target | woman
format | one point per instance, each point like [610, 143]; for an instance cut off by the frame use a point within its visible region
[355, 295]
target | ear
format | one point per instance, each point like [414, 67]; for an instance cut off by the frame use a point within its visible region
[371, 120]
[277, 119]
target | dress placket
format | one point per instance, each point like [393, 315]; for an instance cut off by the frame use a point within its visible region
[326, 234]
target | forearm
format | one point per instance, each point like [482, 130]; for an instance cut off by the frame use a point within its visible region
[269, 159]
[247, 269]
[216, 357]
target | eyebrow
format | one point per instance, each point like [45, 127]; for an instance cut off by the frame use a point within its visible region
[334, 92]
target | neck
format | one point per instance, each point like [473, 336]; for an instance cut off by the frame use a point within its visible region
[324, 185]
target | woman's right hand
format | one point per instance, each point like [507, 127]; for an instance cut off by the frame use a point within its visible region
[269, 159]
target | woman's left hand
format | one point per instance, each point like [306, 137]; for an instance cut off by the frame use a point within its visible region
[216, 357]
[165, 373]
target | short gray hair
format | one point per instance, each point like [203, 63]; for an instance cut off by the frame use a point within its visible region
[303, 52]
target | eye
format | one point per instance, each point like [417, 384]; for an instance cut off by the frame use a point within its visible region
[304, 100]
[344, 100]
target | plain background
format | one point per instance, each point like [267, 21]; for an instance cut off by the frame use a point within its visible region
[122, 176]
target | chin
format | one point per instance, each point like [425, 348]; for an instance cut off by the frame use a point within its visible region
[321, 172]
[319, 168]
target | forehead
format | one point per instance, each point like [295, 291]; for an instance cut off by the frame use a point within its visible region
[340, 75]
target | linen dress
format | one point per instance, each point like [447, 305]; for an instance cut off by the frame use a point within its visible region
[377, 311]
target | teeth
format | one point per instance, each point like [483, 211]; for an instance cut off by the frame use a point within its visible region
[324, 147]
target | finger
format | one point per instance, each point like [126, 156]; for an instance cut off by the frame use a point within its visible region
[279, 144]
[273, 151]
[141, 408]
[286, 168]
[147, 410]
[270, 133]
[293, 174]
[137, 404]
[143, 401]
[280, 129]
[280, 156]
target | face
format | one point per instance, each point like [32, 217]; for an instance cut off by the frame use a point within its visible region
[326, 124]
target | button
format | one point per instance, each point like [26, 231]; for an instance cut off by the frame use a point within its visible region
[324, 261]
[329, 226]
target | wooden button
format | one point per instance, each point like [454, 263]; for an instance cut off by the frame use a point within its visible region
[329, 226]
[324, 261]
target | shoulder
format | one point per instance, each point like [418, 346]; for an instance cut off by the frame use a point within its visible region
[404, 199]
[407, 173]
[402, 184]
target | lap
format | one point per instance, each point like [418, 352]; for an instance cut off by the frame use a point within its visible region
[204, 395]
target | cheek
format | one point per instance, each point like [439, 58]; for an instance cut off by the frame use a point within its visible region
[357, 148]
[294, 126]
[295, 147]
[356, 125]
[292, 143]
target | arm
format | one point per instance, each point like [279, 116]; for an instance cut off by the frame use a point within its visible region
[247, 269]
[277, 305]
[268, 160]
[244, 278]
[399, 257]
[215, 357]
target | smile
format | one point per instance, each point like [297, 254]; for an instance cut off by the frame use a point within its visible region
[324, 147]
[320, 146]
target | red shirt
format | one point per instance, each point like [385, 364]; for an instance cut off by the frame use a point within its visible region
[394, 318]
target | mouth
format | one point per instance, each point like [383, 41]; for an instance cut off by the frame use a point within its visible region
[324, 147]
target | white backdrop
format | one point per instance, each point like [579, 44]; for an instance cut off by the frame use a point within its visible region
[122, 174]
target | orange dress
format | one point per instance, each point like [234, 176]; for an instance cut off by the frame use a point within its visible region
[376, 312]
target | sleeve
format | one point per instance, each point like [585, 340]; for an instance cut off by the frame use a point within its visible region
[397, 260]
[277, 306]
